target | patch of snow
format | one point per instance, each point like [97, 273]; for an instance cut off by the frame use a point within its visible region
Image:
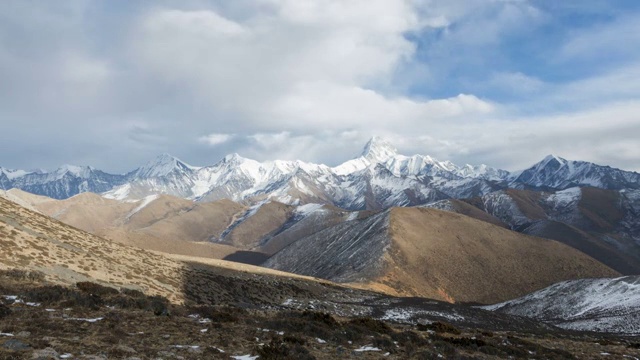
[565, 197]
[305, 210]
[86, 319]
[353, 216]
[6, 334]
[119, 193]
[320, 341]
[244, 357]
[143, 203]
[66, 356]
[13, 174]
[367, 348]
[606, 305]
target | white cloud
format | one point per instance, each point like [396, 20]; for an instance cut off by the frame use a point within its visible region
[305, 66]
[311, 80]
[215, 139]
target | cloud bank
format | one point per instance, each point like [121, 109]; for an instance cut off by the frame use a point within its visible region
[498, 82]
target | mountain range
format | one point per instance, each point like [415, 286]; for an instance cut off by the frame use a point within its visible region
[377, 179]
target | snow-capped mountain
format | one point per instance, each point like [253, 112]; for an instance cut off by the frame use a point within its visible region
[606, 305]
[64, 182]
[163, 175]
[378, 178]
[554, 172]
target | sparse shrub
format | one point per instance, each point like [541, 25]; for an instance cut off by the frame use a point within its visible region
[48, 294]
[440, 327]
[132, 292]
[447, 349]
[273, 350]
[278, 350]
[23, 275]
[490, 350]
[219, 314]
[95, 289]
[383, 343]
[464, 342]
[370, 324]
[4, 311]
[320, 317]
[407, 338]
[291, 339]
[159, 305]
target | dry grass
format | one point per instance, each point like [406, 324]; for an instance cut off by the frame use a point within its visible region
[444, 255]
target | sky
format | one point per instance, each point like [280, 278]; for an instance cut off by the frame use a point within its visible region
[112, 84]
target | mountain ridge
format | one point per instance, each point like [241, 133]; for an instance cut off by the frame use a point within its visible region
[378, 178]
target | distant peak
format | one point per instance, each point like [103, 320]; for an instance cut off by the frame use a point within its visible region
[74, 170]
[379, 150]
[164, 158]
[235, 157]
[552, 158]
[161, 165]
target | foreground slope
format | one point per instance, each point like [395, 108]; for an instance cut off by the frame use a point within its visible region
[608, 305]
[30, 242]
[436, 254]
[66, 255]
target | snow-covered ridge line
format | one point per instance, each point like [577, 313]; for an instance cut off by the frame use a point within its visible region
[378, 178]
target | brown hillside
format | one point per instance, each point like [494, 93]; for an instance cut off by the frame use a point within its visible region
[269, 218]
[463, 208]
[167, 223]
[87, 211]
[66, 255]
[198, 222]
[450, 256]
[23, 198]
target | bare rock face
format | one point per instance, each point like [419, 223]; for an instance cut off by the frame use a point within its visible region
[348, 252]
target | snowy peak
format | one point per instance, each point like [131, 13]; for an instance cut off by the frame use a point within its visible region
[12, 173]
[552, 161]
[554, 172]
[162, 165]
[82, 172]
[379, 150]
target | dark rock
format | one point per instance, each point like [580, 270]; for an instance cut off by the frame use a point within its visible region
[14, 344]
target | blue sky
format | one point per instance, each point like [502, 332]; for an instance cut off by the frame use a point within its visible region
[112, 84]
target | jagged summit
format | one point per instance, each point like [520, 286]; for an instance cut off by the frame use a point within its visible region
[162, 165]
[378, 150]
[79, 171]
[551, 159]
[379, 177]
